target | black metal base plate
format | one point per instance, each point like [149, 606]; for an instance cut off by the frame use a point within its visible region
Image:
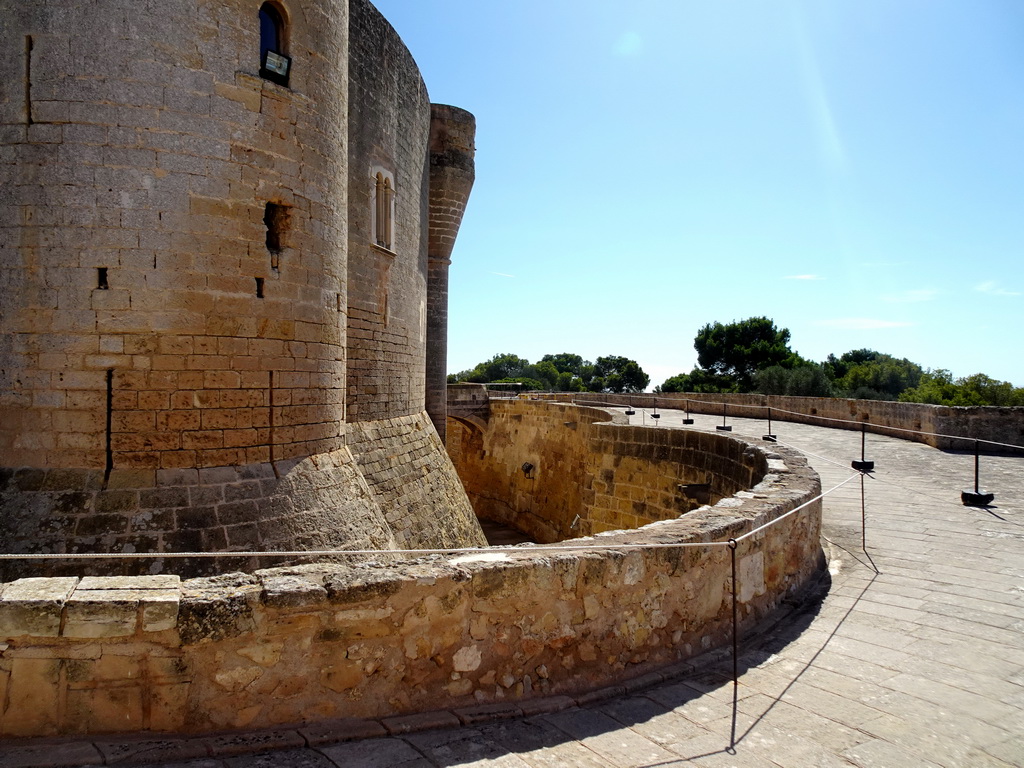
[723, 428]
[687, 421]
[863, 466]
[976, 498]
[770, 438]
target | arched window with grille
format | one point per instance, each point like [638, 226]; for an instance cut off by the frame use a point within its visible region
[275, 64]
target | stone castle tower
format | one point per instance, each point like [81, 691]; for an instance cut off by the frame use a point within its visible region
[225, 229]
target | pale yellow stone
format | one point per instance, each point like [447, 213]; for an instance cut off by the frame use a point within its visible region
[467, 659]
[266, 654]
[237, 679]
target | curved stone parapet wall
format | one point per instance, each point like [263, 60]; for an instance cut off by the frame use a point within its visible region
[589, 477]
[943, 424]
[328, 641]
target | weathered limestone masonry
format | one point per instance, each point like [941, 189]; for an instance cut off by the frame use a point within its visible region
[317, 642]
[1003, 425]
[187, 258]
[452, 171]
[588, 477]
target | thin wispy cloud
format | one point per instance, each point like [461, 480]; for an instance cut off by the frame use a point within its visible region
[804, 277]
[912, 296]
[502, 274]
[991, 287]
[862, 323]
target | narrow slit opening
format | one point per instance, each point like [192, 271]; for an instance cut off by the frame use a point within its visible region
[259, 287]
[275, 217]
[109, 447]
[101, 279]
[28, 79]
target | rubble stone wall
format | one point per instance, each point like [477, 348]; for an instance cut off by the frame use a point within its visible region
[317, 642]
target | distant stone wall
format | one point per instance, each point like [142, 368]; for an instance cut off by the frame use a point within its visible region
[1002, 425]
[318, 642]
[588, 477]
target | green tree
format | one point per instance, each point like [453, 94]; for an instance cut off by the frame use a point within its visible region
[619, 374]
[565, 361]
[939, 388]
[568, 382]
[739, 349]
[807, 380]
[544, 371]
[869, 375]
[699, 380]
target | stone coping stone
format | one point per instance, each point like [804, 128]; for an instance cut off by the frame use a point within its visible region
[33, 606]
[253, 741]
[336, 731]
[150, 749]
[161, 581]
[486, 713]
[422, 721]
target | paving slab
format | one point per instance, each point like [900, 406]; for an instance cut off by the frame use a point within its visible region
[376, 753]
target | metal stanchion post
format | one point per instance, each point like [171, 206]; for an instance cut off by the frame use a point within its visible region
[863, 465]
[977, 497]
[771, 438]
[723, 427]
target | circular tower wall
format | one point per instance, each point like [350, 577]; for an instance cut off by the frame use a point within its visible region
[172, 371]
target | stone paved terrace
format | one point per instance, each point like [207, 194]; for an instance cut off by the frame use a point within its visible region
[917, 663]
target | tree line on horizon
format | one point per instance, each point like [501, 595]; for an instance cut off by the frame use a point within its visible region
[754, 356]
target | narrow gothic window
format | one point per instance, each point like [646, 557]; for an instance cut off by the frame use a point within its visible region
[383, 209]
[274, 64]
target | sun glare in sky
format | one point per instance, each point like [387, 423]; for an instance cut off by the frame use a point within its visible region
[853, 171]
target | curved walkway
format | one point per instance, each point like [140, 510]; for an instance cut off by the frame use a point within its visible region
[914, 657]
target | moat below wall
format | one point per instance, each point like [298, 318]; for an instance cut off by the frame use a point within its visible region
[588, 477]
[376, 639]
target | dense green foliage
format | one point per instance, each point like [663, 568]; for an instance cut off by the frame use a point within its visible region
[741, 349]
[564, 372]
[753, 355]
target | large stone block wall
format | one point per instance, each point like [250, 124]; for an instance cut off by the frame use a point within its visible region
[946, 424]
[389, 129]
[140, 152]
[176, 286]
[372, 640]
[410, 475]
[588, 477]
[307, 503]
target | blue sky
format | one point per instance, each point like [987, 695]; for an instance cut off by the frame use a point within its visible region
[853, 170]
